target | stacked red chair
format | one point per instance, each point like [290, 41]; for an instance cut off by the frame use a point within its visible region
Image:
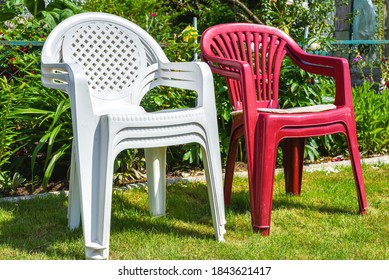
[250, 57]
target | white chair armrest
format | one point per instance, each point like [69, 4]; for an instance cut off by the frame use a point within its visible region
[195, 76]
[60, 75]
[69, 77]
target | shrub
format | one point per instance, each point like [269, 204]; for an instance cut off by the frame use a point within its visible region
[37, 127]
[371, 113]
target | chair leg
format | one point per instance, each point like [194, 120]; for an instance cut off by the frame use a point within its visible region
[230, 167]
[236, 132]
[213, 173]
[293, 159]
[96, 174]
[263, 194]
[74, 207]
[156, 179]
[357, 170]
[98, 248]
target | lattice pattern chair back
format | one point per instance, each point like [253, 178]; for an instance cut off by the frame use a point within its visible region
[263, 49]
[112, 55]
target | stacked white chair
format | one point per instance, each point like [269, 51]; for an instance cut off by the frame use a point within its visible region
[107, 64]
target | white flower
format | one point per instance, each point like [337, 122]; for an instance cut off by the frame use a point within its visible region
[305, 5]
[9, 25]
[314, 46]
[21, 20]
[253, 46]
[331, 170]
[289, 2]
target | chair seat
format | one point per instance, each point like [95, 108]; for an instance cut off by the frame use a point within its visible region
[161, 128]
[165, 117]
[119, 107]
[295, 110]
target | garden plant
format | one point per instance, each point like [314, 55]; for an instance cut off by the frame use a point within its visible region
[35, 123]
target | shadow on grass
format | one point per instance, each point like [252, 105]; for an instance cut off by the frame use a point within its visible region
[184, 206]
[240, 204]
[39, 226]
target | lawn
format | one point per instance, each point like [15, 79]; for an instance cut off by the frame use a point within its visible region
[321, 224]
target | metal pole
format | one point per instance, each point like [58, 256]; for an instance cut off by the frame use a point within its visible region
[195, 27]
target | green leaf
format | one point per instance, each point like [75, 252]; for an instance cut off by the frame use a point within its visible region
[37, 149]
[377, 130]
[53, 135]
[62, 107]
[226, 115]
[50, 167]
[188, 156]
[51, 18]
[28, 111]
[35, 6]
[66, 14]
[293, 87]
[158, 100]
[7, 15]
[62, 5]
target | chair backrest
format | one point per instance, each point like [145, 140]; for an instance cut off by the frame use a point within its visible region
[112, 51]
[262, 47]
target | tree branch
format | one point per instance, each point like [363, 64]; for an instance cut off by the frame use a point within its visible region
[236, 3]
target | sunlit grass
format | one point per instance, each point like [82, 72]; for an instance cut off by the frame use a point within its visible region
[323, 223]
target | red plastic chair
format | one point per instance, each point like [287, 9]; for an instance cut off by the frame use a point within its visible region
[250, 56]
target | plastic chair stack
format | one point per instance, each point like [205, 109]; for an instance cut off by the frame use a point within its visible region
[250, 57]
[106, 65]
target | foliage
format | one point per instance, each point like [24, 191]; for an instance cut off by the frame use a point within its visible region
[129, 167]
[8, 183]
[371, 113]
[12, 140]
[173, 14]
[50, 115]
[299, 88]
[308, 22]
[135, 11]
[35, 123]
[41, 117]
[20, 11]
[10, 131]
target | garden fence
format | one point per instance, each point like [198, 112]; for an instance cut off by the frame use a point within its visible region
[19, 58]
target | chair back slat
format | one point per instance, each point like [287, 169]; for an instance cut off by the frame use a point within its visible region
[262, 49]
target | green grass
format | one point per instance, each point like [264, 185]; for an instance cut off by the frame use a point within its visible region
[323, 223]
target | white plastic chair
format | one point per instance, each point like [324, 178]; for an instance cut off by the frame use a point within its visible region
[107, 64]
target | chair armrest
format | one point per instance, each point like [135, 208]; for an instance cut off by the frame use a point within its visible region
[335, 67]
[69, 77]
[61, 75]
[225, 67]
[237, 70]
[195, 76]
